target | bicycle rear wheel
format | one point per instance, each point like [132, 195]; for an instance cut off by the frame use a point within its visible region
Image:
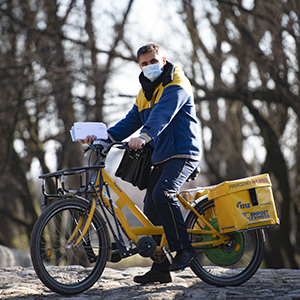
[230, 264]
[64, 268]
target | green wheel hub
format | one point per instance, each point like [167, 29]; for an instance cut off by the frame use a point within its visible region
[226, 254]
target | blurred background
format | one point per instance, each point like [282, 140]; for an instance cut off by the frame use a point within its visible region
[74, 60]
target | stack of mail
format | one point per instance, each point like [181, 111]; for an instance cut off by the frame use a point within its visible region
[82, 129]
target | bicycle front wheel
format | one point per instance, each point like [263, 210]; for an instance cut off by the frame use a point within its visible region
[61, 265]
[229, 264]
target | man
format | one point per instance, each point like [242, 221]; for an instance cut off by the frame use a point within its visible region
[165, 111]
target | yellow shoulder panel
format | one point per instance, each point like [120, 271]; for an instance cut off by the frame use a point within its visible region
[141, 102]
[178, 79]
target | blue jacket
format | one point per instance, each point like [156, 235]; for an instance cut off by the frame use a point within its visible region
[169, 119]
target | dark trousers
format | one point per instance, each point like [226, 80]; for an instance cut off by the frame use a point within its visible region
[162, 208]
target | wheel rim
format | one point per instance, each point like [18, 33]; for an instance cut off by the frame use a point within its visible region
[55, 248]
[246, 250]
[62, 267]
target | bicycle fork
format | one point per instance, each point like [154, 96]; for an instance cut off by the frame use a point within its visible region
[79, 224]
[80, 233]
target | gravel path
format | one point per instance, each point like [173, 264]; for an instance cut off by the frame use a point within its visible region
[283, 284]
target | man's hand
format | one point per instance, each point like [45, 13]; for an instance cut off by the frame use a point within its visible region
[136, 143]
[88, 139]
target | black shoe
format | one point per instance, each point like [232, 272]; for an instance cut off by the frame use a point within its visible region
[153, 276]
[183, 259]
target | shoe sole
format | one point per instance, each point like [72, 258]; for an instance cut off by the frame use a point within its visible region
[156, 281]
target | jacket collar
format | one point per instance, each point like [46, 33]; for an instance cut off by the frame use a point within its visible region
[166, 77]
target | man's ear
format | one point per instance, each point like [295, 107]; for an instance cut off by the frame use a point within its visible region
[164, 60]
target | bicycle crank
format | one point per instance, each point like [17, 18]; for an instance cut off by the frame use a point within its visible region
[146, 246]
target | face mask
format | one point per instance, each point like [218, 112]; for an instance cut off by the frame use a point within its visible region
[152, 71]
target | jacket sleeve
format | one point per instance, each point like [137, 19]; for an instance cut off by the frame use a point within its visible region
[172, 100]
[127, 126]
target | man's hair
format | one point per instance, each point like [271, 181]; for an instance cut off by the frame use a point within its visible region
[148, 48]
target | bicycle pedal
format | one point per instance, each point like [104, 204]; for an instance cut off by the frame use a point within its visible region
[115, 254]
[115, 257]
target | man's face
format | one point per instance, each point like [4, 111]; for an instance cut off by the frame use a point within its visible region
[149, 58]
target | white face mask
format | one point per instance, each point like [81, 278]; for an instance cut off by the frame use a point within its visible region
[152, 71]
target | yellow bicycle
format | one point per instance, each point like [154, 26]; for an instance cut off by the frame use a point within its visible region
[83, 228]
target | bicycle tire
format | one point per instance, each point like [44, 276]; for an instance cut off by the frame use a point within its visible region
[227, 265]
[62, 268]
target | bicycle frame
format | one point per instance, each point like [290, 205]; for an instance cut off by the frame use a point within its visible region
[133, 232]
[148, 228]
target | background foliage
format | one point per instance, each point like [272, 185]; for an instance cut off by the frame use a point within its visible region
[74, 60]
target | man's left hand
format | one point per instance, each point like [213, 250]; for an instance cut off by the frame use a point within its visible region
[136, 143]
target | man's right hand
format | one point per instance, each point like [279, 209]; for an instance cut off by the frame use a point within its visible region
[88, 139]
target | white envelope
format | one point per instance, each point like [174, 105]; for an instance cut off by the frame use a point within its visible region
[82, 129]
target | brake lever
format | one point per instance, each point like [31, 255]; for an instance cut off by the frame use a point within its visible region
[89, 147]
[85, 150]
[125, 146]
[106, 146]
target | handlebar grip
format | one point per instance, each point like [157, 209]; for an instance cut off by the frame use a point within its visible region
[124, 145]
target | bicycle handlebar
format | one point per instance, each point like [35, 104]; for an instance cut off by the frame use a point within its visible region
[104, 146]
[101, 147]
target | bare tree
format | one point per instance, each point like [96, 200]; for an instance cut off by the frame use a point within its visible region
[249, 103]
[47, 50]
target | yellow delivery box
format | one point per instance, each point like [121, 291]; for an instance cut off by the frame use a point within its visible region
[244, 204]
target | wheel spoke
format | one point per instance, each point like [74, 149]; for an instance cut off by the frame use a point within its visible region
[63, 267]
[228, 264]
